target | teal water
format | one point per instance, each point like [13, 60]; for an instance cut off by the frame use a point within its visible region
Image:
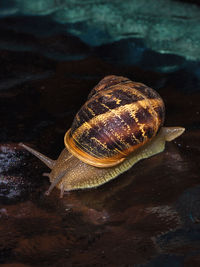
[164, 26]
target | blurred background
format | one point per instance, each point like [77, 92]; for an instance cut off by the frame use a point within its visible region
[52, 53]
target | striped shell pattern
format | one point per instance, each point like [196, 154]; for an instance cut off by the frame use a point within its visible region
[119, 116]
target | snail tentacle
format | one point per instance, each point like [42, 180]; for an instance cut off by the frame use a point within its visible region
[46, 174]
[49, 162]
[62, 190]
[55, 182]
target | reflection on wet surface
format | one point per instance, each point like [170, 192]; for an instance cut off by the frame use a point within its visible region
[149, 216]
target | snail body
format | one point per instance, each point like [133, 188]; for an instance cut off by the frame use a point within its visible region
[120, 124]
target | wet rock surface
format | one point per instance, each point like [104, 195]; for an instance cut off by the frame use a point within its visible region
[149, 216]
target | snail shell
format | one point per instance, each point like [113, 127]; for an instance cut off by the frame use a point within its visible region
[119, 117]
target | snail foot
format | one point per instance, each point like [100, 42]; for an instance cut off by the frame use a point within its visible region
[62, 190]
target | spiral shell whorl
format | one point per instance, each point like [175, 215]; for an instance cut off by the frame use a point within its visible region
[119, 117]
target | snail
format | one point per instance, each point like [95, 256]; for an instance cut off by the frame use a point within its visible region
[120, 123]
